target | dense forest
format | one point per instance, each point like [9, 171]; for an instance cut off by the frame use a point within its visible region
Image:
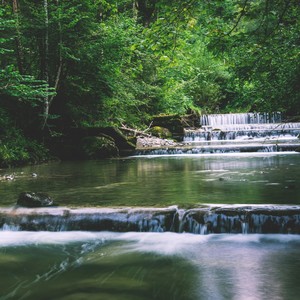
[98, 63]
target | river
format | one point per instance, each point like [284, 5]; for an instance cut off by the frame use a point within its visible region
[149, 265]
[183, 180]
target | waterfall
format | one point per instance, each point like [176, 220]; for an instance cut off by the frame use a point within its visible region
[240, 118]
[234, 133]
[257, 127]
[204, 220]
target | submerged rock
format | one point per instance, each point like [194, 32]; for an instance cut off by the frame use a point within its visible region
[30, 199]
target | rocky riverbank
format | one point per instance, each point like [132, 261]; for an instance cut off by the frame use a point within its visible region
[154, 142]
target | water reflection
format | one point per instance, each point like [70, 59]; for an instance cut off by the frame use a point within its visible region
[163, 181]
[81, 265]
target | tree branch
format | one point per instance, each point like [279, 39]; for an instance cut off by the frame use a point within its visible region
[239, 18]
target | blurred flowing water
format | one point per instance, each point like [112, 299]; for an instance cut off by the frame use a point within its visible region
[146, 265]
[106, 265]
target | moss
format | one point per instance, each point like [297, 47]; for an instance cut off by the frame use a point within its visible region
[161, 132]
[172, 122]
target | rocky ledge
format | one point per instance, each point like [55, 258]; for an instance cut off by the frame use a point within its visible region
[155, 142]
[206, 219]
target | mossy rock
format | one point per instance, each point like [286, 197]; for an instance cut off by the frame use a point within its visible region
[172, 122]
[97, 147]
[161, 132]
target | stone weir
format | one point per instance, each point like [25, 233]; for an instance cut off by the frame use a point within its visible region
[270, 146]
[234, 133]
[207, 219]
[262, 132]
[243, 126]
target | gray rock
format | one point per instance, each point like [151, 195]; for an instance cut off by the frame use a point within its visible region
[30, 199]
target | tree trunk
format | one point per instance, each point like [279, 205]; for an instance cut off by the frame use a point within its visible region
[146, 10]
[19, 48]
[45, 62]
[60, 62]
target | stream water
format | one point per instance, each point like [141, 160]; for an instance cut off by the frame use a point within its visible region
[246, 178]
[110, 265]
[154, 265]
[128, 266]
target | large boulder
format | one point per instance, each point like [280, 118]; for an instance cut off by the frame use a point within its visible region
[31, 199]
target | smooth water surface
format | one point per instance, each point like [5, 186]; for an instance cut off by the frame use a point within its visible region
[129, 266]
[259, 178]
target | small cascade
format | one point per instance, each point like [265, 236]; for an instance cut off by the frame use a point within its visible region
[64, 219]
[243, 126]
[244, 219]
[240, 118]
[245, 227]
[234, 133]
[207, 219]
[289, 131]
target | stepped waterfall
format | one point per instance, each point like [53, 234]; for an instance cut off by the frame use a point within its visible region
[235, 133]
[217, 134]
[243, 126]
[215, 217]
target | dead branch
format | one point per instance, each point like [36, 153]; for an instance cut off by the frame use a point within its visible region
[135, 132]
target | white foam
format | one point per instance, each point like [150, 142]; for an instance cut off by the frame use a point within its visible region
[162, 243]
[21, 238]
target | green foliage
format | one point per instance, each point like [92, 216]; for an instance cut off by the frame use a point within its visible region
[23, 87]
[115, 88]
[19, 151]
[15, 149]
[13, 84]
[6, 24]
[106, 62]
[196, 80]
[261, 45]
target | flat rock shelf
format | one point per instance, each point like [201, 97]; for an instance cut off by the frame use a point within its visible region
[206, 219]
